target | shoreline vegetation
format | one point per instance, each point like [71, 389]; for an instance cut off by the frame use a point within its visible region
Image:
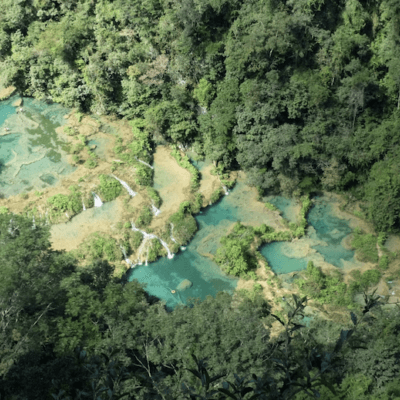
[124, 243]
[301, 98]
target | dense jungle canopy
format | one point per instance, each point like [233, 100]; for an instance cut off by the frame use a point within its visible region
[302, 95]
[299, 93]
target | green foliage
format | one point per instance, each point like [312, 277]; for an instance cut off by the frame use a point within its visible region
[216, 195]
[109, 187]
[185, 225]
[91, 162]
[365, 246]
[3, 210]
[203, 92]
[100, 246]
[63, 203]
[325, 289]
[153, 194]
[70, 131]
[271, 207]
[383, 263]
[145, 217]
[144, 175]
[382, 237]
[234, 256]
[78, 116]
[197, 204]
[154, 250]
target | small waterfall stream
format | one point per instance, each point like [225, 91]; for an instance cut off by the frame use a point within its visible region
[155, 210]
[145, 163]
[172, 229]
[97, 200]
[147, 236]
[126, 186]
[83, 205]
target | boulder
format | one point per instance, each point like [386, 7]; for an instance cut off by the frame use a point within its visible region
[185, 284]
[93, 147]
[17, 103]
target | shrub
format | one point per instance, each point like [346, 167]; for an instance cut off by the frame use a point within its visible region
[91, 162]
[383, 263]
[185, 226]
[153, 194]
[144, 175]
[216, 195]
[70, 131]
[365, 246]
[271, 207]
[197, 204]
[382, 237]
[145, 217]
[101, 246]
[109, 187]
[370, 278]
[3, 210]
[154, 250]
[79, 116]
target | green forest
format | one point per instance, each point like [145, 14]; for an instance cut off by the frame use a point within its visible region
[301, 95]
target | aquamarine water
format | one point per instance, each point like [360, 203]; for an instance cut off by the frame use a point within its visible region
[32, 156]
[280, 263]
[332, 230]
[286, 206]
[214, 222]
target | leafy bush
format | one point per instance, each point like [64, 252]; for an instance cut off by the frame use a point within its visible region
[383, 263]
[365, 246]
[153, 194]
[109, 187]
[185, 225]
[325, 289]
[101, 246]
[91, 162]
[145, 217]
[70, 131]
[216, 196]
[382, 237]
[155, 249]
[144, 175]
[197, 204]
[271, 207]
[3, 210]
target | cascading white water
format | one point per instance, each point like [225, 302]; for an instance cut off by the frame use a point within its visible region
[155, 210]
[126, 186]
[127, 260]
[145, 163]
[172, 229]
[148, 236]
[183, 248]
[67, 215]
[226, 190]
[83, 204]
[97, 200]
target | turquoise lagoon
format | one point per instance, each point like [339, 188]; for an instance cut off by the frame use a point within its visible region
[214, 222]
[32, 156]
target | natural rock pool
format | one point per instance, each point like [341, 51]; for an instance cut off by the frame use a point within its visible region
[31, 155]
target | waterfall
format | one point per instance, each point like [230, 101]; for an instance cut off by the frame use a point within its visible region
[183, 248]
[226, 190]
[145, 163]
[155, 210]
[127, 260]
[97, 200]
[170, 255]
[67, 215]
[172, 229]
[83, 204]
[126, 186]
[148, 236]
